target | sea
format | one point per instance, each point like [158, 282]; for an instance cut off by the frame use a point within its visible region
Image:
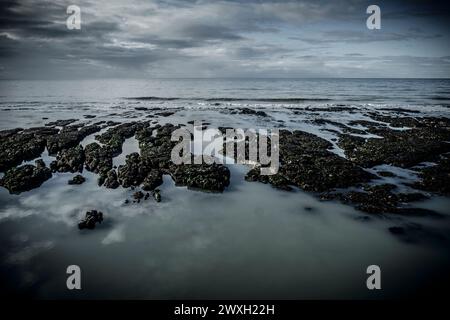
[249, 242]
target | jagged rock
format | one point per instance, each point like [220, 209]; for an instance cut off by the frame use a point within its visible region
[111, 180]
[98, 159]
[69, 137]
[134, 171]
[435, 178]
[152, 180]
[90, 220]
[116, 136]
[17, 145]
[78, 179]
[69, 160]
[156, 195]
[26, 177]
[405, 148]
[61, 123]
[205, 177]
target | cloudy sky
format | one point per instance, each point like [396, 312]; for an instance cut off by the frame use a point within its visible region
[227, 38]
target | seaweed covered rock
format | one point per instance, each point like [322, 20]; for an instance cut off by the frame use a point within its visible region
[403, 148]
[26, 177]
[69, 160]
[152, 180]
[380, 199]
[306, 163]
[115, 137]
[17, 145]
[98, 159]
[90, 220]
[435, 178]
[111, 180]
[134, 171]
[78, 179]
[205, 177]
[69, 137]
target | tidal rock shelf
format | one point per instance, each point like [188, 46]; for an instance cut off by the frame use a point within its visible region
[307, 161]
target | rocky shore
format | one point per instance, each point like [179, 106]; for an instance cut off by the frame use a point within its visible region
[307, 161]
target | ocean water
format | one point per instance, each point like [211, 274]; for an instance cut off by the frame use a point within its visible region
[252, 241]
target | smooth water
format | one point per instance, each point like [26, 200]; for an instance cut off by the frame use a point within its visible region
[252, 241]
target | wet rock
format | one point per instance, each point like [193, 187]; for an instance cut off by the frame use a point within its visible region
[116, 136]
[61, 123]
[165, 113]
[379, 199]
[69, 137]
[406, 148]
[252, 112]
[152, 180]
[78, 179]
[111, 180]
[91, 219]
[19, 145]
[156, 195]
[98, 159]
[138, 195]
[26, 177]
[69, 160]
[134, 171]
[435, 178]
[204, 177]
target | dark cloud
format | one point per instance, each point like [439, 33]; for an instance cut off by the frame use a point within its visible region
[222, 38]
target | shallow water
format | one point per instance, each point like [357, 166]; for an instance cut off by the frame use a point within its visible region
[252, 241]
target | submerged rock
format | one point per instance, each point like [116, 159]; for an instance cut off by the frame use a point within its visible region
[90, 220]
[26, 177]
[156, 195]
[78, 179]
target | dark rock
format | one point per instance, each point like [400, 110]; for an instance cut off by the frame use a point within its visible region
[19, 145]
[165, 113]
[205, 177]
[152, 180]
[138, 195]
[116, 136]
[61, 123]
[156, 195]
[111, 180]
[26, 177]
[407, 148]
[90, 220]
[69, 137]
[98, 159]
[78, 179]
[69, 160]
[435, 178]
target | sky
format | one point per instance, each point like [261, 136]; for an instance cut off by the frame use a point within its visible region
[227, 38]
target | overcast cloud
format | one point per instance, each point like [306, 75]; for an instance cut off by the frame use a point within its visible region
[173, 38]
